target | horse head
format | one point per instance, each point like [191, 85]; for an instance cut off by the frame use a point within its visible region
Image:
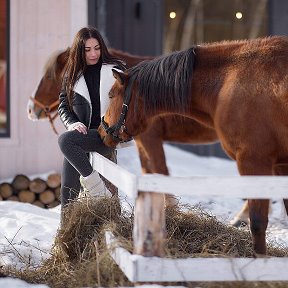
[122, 119]
[151, 88]
[45, 98]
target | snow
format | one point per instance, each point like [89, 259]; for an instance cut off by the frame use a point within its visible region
[27, 232]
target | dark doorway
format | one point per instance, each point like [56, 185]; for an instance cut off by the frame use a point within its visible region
[134, 26]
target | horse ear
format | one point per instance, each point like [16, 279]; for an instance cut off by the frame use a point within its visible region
[63, 57]
[119, 75]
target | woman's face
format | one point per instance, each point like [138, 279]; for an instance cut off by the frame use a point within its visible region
[92, 51]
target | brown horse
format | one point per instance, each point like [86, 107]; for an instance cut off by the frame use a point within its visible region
[238, 88]
[172, 128]
[45, 99]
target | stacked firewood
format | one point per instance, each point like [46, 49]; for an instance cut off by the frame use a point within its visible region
[39, 192]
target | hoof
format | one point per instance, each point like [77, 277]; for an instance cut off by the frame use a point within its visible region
[236, 222]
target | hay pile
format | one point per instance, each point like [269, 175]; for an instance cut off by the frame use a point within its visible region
[194, 233]
[80, 258]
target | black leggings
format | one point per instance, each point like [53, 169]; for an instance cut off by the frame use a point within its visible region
[76, 147]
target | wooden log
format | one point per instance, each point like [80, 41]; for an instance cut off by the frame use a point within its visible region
[20, 182]
[38, 203]
[149, 224]
[6, 190]
[26, 196]
[53, 204]
[47, 197]
[37, 185]
[54, 180]
[13, 198]
[57, 193]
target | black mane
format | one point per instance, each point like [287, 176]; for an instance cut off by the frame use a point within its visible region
[164, 81]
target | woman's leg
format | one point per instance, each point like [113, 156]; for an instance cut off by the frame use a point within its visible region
[70, 184]
[76, 145]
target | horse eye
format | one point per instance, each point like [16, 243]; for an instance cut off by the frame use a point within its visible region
[110, 95]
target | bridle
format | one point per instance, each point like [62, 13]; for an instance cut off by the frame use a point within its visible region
[120, 126]
[48, 111]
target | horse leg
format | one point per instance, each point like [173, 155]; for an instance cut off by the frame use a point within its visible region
[152, 158]
[242, 217]
[286, 205]
[281, 169]
[144, 158]
[258, 208]
[258, 213]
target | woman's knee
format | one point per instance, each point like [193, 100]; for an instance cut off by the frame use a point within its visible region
[65, 139]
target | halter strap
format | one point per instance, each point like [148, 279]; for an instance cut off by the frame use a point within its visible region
[113, 131]
[47, 110]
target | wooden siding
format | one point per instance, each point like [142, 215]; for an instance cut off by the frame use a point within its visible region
[37, 28]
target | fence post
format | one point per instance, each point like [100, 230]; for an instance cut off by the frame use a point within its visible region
[149, 224]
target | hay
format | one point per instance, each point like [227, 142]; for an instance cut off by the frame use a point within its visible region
[194, 233]
[75, 258]
[75, 251]
[80, 257]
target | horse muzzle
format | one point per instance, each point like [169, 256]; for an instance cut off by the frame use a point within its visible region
[31, 112]
[112, 136]
[109, 141]
[106, 138]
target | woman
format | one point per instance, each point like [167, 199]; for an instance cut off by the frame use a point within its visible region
[87, 81]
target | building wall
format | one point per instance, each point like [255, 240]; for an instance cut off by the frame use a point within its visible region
[278, 17]
[131, 20]
[37, 29]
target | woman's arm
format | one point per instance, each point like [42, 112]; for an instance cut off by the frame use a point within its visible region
[67, 116]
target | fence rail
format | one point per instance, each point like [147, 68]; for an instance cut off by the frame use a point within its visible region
[147, 191]
[155, 269]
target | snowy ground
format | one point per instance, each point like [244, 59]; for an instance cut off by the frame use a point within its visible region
[27, 231]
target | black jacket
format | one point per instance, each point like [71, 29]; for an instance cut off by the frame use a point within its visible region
[81, 103]
[81, 110]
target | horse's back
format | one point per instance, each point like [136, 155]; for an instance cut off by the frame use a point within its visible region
[251, 105]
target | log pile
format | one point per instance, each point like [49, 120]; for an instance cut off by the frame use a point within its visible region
[45, 194]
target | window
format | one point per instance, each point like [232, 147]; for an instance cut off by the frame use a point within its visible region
[4, 69]
[189, 22]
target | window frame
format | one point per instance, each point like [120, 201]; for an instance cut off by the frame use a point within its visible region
[7, 133]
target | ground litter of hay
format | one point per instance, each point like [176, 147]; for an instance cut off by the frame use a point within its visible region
[80, 257]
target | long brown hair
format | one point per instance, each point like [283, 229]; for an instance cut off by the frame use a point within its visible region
[76, 63]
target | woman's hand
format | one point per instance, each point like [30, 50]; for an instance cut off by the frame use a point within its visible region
[80, 127]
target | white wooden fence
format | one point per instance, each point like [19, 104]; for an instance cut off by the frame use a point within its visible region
[160, 269]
